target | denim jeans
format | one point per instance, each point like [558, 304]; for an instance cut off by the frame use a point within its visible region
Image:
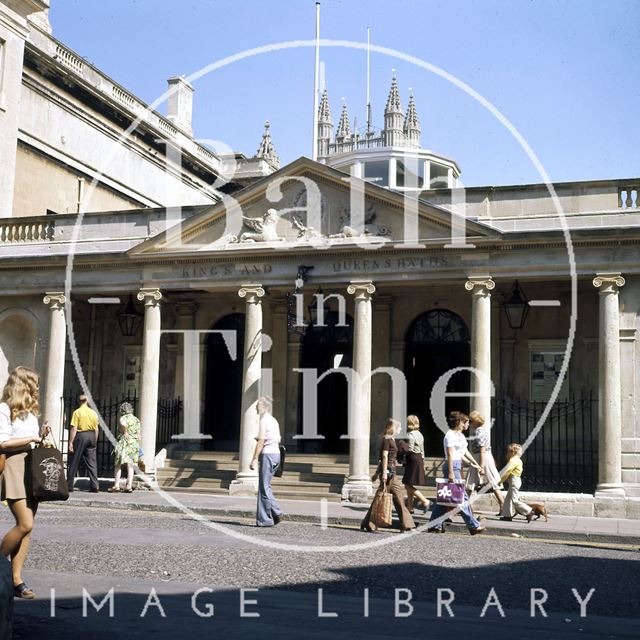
[267, 505]
[465, 509]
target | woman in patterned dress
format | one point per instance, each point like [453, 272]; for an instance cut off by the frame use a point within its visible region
[481, 449]
[128, 447]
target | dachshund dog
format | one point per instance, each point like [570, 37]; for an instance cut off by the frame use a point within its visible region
[539, 510]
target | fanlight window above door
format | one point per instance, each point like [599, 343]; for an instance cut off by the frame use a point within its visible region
[438, 326]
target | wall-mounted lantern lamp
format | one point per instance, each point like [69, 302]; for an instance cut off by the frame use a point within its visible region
[516, 307]
[292, 305]
[129, 318]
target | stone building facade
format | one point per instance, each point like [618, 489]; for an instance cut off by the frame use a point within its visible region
[416, 280]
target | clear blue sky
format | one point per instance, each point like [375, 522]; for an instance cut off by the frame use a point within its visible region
[565, 72]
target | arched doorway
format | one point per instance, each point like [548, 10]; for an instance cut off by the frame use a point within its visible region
[223, 386]
[325, 348]
[437, 341]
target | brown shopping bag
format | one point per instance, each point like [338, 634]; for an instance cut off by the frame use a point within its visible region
[381, 508]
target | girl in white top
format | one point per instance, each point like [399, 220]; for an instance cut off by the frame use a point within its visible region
[455, 448]
[19, 431]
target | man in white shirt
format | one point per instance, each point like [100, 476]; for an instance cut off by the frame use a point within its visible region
[267, 456]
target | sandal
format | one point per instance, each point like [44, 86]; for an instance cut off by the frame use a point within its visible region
[113, 490]
[128, 490]
[22, 591]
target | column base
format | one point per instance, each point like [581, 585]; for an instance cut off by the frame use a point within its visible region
[244, 485]
[357, 489]
[610, 490]
[148, 484]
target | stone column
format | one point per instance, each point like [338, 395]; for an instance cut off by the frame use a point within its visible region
[609, 381]
[358, 487]
[381, 386]
[54, 376]
[148, 403]
[294, 348]
[246, 482]
[481, 288]
[279, 368]
[185, 321]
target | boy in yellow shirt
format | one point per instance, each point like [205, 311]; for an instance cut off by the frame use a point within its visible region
[513, 473]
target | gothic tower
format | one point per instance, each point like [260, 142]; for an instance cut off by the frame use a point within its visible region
[343, 133]
[266, 150]
[325, 127]
[393, 118]
[412, 125]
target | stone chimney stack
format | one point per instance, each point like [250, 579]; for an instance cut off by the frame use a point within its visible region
[180, 104]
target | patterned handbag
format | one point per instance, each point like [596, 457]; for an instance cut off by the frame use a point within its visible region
[44, 475]
[381, 508]
[449, 494]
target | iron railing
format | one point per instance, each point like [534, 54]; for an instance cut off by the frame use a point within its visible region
[563, 457]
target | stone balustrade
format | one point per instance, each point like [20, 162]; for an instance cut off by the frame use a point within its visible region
[69, 59]
[123, 97]
[27, 231]
[50, 47]
[628, 197]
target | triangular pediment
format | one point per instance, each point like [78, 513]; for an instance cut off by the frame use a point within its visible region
[307, 204]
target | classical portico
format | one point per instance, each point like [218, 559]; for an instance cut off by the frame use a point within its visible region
[420, 311]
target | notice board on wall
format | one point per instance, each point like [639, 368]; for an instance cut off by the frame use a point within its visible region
[545, 365]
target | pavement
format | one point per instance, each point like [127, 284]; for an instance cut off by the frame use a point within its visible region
[572, 529]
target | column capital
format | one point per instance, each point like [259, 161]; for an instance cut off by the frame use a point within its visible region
[480, 285]
[149, 295]
[361, 288]
[610, 282]
[54, 299]
[252, 292]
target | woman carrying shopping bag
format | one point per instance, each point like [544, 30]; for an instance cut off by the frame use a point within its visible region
[455, 450]
[389, 483]
[19, 433]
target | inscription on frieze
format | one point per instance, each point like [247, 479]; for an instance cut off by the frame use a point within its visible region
[222, 270]
[363, 266]
[368, 265]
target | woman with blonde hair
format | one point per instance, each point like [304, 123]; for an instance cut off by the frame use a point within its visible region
[481, 450]
[387, 466]
[414, 464]
[19, 433]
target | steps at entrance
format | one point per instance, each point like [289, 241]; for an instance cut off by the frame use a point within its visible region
[306, 476]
